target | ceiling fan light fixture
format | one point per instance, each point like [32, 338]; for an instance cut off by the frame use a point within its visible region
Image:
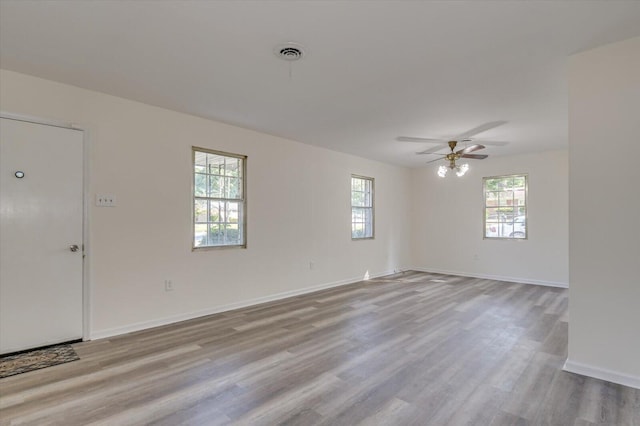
[459, 169]
[462, 169]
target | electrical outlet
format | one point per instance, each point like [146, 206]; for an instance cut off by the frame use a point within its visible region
[103, 200]
[168, 285]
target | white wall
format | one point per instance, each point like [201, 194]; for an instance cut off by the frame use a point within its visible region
[604, 150]
[142, 155]
[448, 228]
[298, 210]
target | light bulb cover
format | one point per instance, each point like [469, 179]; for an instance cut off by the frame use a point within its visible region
[442, 171]
[462, 169]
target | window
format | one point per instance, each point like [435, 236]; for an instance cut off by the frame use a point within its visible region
[361, 207]
[505, 207]
[219, 202]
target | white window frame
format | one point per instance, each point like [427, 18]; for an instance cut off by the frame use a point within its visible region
[242, 216]
[500, 224]
[369, 222]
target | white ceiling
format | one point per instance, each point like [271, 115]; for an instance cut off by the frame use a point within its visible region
[375, 70]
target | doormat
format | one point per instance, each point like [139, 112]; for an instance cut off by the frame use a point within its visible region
[23, 362]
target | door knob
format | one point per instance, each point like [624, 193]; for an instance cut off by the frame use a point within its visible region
[74, 248]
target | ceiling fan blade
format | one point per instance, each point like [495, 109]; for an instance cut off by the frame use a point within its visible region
[432, 161]
[474, 156]
[482, 128]
[431, 153]
[494, 143]
[432, 150]
[470, 148]
[420, 140]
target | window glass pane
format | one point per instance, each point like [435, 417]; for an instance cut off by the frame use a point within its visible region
[233, 188]
[215, 162]
[232, 234]
[492, 214]
[367, 194]
[218, 208]
[214, 211]
[491, 198]
[200, 160]
[505, 198]
[368, 221]
[505, 208]
[233, 212]
[493, 184]
[519, 197]
[507, 184]
[200, 235]
[357, 230]
[507, 230]
[357, 215]
[200, 185]
[492, 229]
[216, 186]
[215, 235]
[232, 167]
[506, 214]
[357, 198]
[361, 207]
[518, 234]
[200, 211]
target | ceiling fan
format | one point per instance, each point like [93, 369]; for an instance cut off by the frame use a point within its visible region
[453, 156]
[463, 137]
[456, 155]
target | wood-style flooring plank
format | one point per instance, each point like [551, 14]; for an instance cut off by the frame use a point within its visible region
[408, 349]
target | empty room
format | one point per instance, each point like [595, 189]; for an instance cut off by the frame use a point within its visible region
[319, 212]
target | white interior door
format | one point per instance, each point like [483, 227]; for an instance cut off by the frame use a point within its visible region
[41, 205]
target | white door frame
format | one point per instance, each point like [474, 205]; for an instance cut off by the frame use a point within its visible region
[86, 283]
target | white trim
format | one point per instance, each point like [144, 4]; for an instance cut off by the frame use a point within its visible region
[101, 334]
[38, 120]
[495, 277]
[86, 247]
[602, 374]
[86, 287]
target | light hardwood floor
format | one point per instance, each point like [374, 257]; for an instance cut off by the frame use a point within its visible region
[408, 349]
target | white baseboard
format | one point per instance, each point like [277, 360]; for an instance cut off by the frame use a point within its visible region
[111, 332]
[495, 277]
[602, 374]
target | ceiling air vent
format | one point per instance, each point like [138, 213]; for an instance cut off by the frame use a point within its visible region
[289, 51]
